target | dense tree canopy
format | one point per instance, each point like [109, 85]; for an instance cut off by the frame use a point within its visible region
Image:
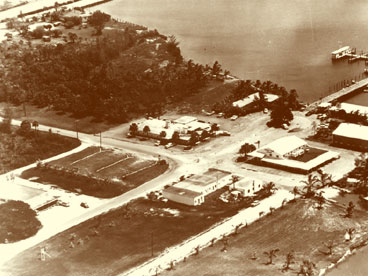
[112, 77]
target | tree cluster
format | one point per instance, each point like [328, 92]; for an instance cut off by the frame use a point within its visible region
[106, 77]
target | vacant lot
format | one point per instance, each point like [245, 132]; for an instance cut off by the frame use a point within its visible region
[298, 227]
[105, 174]
[123, 238]
[17, 221]
[17, 151]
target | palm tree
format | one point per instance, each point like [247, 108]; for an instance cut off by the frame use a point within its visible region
[320, 200]
[270, 188]
[349, 210]
[270, 254]
[289, 260]
[175, 137]
[35, 125]
[325, 179]
[309, 185]
[146, 129]
[234, 179]
[163, 134]
[133, 128]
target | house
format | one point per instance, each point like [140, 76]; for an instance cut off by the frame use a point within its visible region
[248, 186]
[164, 129]
[183, 196]
[192, 190]
[285, 147]
[351, 136]
[269, 98]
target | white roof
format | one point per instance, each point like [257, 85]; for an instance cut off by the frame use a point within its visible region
[185, 119]
[352, 131]
[247, 100]
[284, 145]
[324, 104]
[246, 181]
[341, 50]
[349, 108]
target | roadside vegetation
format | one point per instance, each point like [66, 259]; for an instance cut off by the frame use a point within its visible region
[17, 221]
[111, 243]
[26, 144]
[297, 238]
[280, 109]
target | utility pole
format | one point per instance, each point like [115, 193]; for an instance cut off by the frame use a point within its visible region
[76, 128]
[151, 244]
[100, 141]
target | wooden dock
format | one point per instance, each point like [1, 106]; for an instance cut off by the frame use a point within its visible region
[339, 94]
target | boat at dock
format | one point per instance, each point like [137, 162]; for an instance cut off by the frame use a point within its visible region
[342, 52]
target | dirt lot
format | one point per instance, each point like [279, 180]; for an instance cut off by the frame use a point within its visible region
[297, 228]
[114, 242]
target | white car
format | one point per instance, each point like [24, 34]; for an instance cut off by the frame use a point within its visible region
[169, 145]
[234, 117]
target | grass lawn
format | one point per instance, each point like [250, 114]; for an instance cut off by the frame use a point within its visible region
[75, 156]
[124, 238]
[17, 221]
[309, 155]
[298, 228]
[17, 151]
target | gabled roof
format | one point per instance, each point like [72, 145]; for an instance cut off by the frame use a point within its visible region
[283, 145]
[352, 131]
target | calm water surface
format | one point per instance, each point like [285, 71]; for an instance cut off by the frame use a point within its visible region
[288, 42]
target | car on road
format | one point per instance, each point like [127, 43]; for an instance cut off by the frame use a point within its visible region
[169, 145]
[157, 143]
[234, 117]
[254, 203]
[129, 135]
[220, 115]
[187, 147]
[63, 203]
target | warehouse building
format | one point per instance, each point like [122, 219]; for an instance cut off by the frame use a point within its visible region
[351, 136]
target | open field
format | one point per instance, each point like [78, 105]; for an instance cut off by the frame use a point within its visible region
[297, 227]
[105, 174]
[122, 238]
[18, 151]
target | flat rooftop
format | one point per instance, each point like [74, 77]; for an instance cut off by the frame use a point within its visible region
[352, 131]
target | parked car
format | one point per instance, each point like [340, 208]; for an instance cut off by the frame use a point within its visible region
[63, 203]
[169, 145]
[285, 126]
[84, 205]
[234, 117]
[157, 143]
[265, 111]
[254, 203]
[220, 115]
[129, 135]
[187, 147]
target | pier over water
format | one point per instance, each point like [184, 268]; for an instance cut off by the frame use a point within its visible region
[339, 95]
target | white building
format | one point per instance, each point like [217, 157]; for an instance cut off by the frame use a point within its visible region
[251, 98]
[192, 190]
[248, 186]
[285, 147]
